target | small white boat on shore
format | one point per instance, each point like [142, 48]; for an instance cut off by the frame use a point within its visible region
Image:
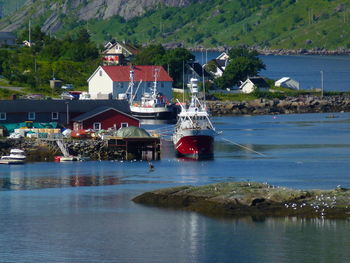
[16, 156]
[70, 158]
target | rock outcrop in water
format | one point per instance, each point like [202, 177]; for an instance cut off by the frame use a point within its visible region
[288, 105]
[252, 199]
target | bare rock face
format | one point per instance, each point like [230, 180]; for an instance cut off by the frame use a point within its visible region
[235, 199]
[82, 10]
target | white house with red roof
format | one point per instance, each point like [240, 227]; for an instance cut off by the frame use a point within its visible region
[110, 81]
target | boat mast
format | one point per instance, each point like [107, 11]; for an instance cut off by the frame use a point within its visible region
[154, 90]
[194, 91]
[130, 89]
[203, 78]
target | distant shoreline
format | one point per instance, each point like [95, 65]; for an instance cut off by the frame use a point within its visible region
[288, 105]
[282, 52]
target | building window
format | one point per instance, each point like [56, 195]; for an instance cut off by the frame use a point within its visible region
[162, 84]
[54, 115]
[97, 126]
[100, 73]
[31, 116]
[2, 116]
[124, 124]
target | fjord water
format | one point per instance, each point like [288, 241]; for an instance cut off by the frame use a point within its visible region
[304, 69]
[82, 212]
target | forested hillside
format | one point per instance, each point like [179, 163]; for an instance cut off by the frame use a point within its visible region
[273, 24]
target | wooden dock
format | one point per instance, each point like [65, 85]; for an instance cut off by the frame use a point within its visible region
[140, 148]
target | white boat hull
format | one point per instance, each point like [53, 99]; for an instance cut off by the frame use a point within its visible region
[11, 161]
[156, 113]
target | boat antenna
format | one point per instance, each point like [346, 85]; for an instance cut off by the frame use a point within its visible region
[203, 77]
[183, 81]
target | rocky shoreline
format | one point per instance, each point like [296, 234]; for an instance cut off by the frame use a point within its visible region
[275, 52]
[237, 199]
[288, 105]
[41, 150]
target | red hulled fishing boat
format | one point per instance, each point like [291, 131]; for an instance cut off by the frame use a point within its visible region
[194, 132]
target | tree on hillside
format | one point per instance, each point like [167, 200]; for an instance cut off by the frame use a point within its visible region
[243, 63]
[210, 66]
[172, 59]
[150, 55]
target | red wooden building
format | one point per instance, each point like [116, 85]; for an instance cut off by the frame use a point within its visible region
[103, 118]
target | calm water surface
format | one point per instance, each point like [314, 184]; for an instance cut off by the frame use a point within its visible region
[305, 69]
[81, 212]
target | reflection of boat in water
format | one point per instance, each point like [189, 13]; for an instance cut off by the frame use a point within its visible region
[332, 116]
[153, 105]
[16, 156]
[70, 159]
[194, 132]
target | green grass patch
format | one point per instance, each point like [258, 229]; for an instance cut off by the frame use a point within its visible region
[6, 94]
[235, 97]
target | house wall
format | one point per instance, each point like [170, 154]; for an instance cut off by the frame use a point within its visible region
[248, 87]
[109, 119]
[100, 83]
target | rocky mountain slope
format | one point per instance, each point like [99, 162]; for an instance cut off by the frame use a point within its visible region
[319, 25]
[52, 13]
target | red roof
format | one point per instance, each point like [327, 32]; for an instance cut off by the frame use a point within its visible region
[144, 73]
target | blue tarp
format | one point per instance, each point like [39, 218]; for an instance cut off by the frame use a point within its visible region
[10, 127]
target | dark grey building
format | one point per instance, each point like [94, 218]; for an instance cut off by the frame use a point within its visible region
[60, 111]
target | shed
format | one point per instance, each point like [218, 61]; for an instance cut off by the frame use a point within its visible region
[288, 83]
[134, 142]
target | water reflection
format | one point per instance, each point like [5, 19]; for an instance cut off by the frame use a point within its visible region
[18, 182]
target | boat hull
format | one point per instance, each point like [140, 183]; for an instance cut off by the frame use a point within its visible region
[195, 146]
[11, 161]
[156, 113]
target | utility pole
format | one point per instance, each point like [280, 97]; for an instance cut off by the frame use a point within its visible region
[203, 74]
[67, 104]
[321, 83]
[29, 33]
[345, 15]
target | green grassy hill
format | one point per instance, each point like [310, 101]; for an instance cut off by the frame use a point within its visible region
[291, 24]
[273, 24]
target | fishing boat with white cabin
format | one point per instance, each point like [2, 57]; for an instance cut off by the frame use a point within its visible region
[194, 132]
[153, 104]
